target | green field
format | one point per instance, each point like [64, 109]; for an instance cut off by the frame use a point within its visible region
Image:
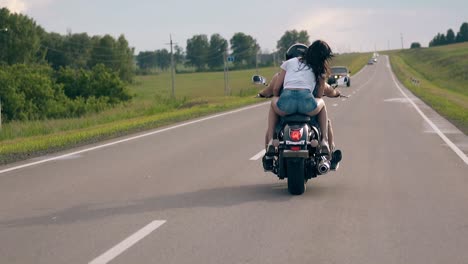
[354, 61]
[443, 78]
[197, 94]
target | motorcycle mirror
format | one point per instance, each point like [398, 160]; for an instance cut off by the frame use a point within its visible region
[258, 79]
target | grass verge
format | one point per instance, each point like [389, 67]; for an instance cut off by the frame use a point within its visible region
[23, 148]
[442, 78]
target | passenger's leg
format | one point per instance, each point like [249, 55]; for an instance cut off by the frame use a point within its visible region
[331, 142]
[337, 155]
[273, 119]
[323, 122]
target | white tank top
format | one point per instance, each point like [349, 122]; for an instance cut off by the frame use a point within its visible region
[298, 75]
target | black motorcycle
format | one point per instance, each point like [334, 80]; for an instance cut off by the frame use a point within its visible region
[298, 156]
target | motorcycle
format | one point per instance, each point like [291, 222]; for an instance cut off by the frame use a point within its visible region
[298, 156]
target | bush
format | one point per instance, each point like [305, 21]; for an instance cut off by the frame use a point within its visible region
[99, 82]
[27, 92]
[415, 45]
[35, 92]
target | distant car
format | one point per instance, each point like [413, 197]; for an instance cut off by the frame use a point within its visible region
[375, 59]
[370, 62]
[340, 76]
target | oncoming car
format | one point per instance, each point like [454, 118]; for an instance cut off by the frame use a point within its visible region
[340, 76]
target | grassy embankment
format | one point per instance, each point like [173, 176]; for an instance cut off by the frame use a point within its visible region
[443, 78]
[198, 94]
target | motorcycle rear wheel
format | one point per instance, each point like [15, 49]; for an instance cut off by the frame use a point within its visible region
[295, 170]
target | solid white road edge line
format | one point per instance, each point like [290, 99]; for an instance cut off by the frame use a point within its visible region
[131, 138]
[436, 129]
[258, 155]
[127, 243]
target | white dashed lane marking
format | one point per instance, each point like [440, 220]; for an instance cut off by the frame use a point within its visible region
[127, 243]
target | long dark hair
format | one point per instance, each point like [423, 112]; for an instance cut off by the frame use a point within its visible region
[318, 57]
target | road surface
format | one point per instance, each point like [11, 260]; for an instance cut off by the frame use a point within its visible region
[196, 192]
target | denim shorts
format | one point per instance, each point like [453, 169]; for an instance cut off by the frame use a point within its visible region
[296, 101]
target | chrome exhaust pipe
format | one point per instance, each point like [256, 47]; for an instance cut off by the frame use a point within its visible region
[323, 166]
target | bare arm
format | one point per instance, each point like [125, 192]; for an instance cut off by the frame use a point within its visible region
[330, 92]
[278, 83]
[268, 91]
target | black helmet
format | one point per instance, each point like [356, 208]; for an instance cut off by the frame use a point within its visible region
[296, 50]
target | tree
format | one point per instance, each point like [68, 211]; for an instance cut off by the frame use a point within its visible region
[462, 35]
[54, 44]
[197, 50]
[292, 37]
[450, 37]
[438, 40]
[124, 64]
[102, 51]
[218, 47]
[146, 60]
[114, 54]
[178, 54]
[415, 45]
[244, 49]
[19, 38]
[163, 59]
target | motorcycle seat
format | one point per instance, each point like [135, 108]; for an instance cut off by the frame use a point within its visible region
[296, 118]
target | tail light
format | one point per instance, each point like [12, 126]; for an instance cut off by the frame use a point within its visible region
[295, 134]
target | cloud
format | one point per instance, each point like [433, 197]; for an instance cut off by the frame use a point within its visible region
[361, 29]
[21, 6]
[15, 6]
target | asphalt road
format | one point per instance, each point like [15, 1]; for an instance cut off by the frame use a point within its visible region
[195, 193]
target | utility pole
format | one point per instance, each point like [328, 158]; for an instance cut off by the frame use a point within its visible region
[226, 74]
[256, 63]
[172, 68]
[401, 35]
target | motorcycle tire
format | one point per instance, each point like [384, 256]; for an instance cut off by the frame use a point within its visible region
[295, 170]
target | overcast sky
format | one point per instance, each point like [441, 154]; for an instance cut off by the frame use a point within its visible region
[353, 25]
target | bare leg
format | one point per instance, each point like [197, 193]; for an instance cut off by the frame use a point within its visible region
[331, 142]
[272, 120]
[273, 116]
[323, 122]
[321, 112]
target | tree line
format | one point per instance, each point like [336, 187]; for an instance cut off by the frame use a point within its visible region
[47, 75]
[451, 37]
[210, 53]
